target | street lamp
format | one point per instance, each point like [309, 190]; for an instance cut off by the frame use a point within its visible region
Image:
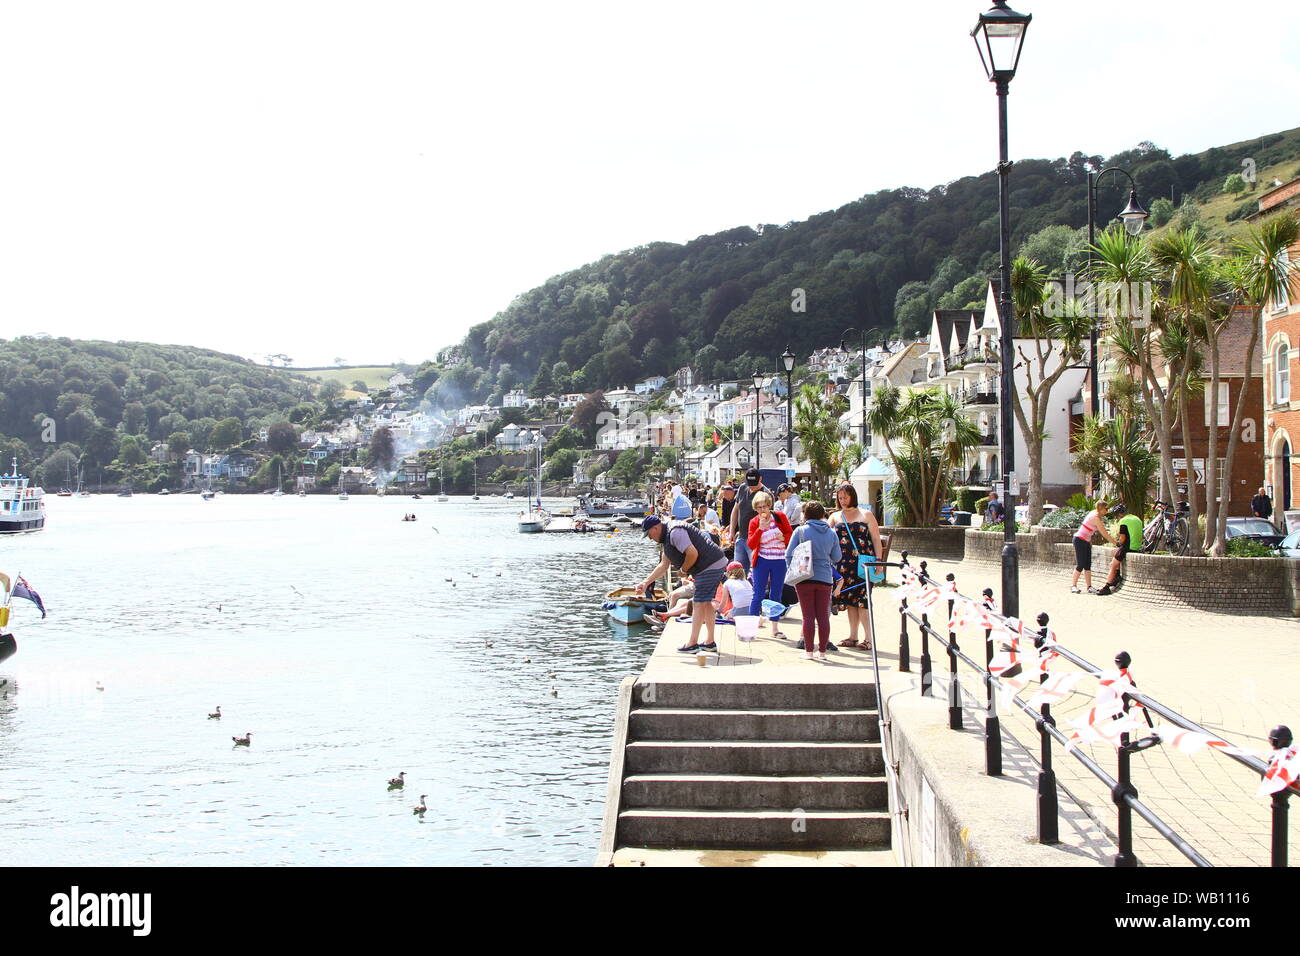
[1134, 218]
[758, 421]
[999, 37]
[862, 355]
[787, 362]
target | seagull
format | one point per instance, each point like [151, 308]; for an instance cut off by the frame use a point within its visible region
[447, 579]
[217, 715]
[295, 590]
[243, 741]
[420, 807]
[398, 782]
[487, 643]
[554, 692]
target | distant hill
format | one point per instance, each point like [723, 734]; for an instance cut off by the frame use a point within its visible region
[723, 302]
[85, 397]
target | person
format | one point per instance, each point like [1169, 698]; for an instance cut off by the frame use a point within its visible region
[815, 592]
[790, 504]
[743, 514]
[994, 512]
[706, 519]
[768, 534]
[688, 550]
[1261, 506]
[1130, 539]
[727, 497]
[681, 505]
[738, 588]
[859, 534]
[1093, 523]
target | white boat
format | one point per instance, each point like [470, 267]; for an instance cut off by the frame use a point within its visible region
[442, 488]
[536, 518]
[165, 491]
[343, 496]
[476, 479]
[81, 488]
[22, 506]
[279, 483]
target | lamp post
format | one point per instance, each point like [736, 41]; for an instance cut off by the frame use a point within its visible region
[1133, 217]
[787, 362]
[862, 356]
[758, 421]
[999, 37]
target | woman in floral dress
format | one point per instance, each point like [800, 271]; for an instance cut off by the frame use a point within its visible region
[859, 533]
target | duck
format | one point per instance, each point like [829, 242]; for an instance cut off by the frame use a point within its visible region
[554, 692]
[243, 741]
[420, 808]
[528, 660]
[98, 686]
[398, 782]
[488, 643]
[217, 715]
[473, 575]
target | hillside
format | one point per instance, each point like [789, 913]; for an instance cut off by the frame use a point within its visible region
[723, 302]
[87, 398]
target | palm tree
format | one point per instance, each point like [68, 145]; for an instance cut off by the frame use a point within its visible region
[817, 425]
[1119, 449]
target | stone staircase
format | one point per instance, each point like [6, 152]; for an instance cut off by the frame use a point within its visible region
[771, 766]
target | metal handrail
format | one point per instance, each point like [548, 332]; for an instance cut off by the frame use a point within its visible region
[1123, 793]
[895, 787]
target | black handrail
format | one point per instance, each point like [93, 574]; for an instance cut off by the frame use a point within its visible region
[1123, 793]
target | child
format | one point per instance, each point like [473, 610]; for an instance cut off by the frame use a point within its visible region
[739, 590]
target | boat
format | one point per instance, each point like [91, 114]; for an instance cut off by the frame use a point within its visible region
[165, 491]
[442, 488]
[475, 479]
[343, 496]
[510, 496]
[301, 493]
[22, 506]
[65, 491]
[279, 483]
[81, 488]
[125, 493]
[627, 607]
[535, 518]
[604, 508]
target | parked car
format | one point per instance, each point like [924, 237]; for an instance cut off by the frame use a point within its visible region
[1022, 512]
[1290, 546]
[1255, 529]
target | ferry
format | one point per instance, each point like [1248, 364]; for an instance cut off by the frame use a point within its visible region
[22, 507]
[605, 508]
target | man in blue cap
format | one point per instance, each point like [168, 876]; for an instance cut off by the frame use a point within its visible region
[693, 552]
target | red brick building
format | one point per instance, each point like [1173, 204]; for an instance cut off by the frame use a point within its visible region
[1280, 338]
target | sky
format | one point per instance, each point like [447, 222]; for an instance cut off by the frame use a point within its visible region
[366, 182]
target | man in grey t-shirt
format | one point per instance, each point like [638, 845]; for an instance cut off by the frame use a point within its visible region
[743, 513]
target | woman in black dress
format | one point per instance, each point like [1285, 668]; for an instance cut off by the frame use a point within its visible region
[859, 533]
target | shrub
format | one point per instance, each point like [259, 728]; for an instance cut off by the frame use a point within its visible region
[981, 504]
[999, 526]
[1067, 517]
[1080, 502]
[965, 500]
[1246, 548]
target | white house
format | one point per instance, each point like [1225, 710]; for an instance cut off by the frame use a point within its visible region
[515, 398]
[571, 400]
[652, 384]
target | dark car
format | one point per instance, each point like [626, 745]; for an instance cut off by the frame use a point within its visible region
[1255, 529]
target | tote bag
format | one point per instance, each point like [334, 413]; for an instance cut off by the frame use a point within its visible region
[867, 569]
[801, 560]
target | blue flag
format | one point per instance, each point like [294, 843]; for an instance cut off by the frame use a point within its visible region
[24, 590]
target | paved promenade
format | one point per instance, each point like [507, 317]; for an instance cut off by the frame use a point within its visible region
[1236, 676]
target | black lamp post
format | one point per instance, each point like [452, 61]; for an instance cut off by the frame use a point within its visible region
[787, 362]
[758, 421]
[1134, 217]
[999, 36]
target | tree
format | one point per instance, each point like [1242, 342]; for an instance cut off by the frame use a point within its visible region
[360, 386]
[1234, 184]
[178, 442]
[129, 451]
[626, 472]
[817, 425]
[382, 449]
[1119, 449]
[587, 414]
[566, 437]
[226, 434]
[542, 383]
[330, 390]
[1056, 343]
[282, 438]
[560, 466]
[1162, 210]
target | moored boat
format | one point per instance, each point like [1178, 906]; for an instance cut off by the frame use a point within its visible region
[22, 507]
[628, 607]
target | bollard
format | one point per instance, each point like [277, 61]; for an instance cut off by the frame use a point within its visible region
[1124, 786]
[1279, 738]
[904, 648]
[1048, 832]
[927, 679]
[954, 688]
[992, 724]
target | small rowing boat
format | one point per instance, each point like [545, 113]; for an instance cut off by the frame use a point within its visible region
[627, 607]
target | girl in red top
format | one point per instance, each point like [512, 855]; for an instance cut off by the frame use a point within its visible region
[769, 533]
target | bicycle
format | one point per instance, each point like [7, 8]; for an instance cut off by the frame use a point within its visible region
[1169, 527]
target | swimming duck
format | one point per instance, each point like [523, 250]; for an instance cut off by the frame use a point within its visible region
[243, 741]
[420, 808]
[488, 643]
[554, 692]
[98, 686]
[398, 782]
[216, 716]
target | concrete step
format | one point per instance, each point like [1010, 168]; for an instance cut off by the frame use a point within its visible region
[691, 723]
[753, 757]
[704, 829]
[750, 792]
[740, 696]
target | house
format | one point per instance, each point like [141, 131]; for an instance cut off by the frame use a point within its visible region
[411, 471]
[514, 438]
[1280, 340]
[571, 400]
[159, 453]
[686, 376]
[650, 385]
[624, 401]
[352, 478]
[398, 380]
[515, 398]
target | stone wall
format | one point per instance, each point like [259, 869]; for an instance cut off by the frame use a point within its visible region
[1220, 585]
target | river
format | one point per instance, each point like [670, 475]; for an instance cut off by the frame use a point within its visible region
[328, 630]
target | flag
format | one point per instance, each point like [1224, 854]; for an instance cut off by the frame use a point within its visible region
[717, 439]
[1283, 769]
[24, 590]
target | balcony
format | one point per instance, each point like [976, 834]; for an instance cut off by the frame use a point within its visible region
[988, 440]
[978, 395]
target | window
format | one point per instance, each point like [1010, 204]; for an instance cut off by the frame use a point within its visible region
[1221, 480]
[1281, 373]
[1223, 417]
[1281, 300]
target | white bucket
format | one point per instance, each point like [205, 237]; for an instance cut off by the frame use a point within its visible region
[747, 626]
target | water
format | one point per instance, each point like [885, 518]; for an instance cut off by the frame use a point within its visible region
[325, 628]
